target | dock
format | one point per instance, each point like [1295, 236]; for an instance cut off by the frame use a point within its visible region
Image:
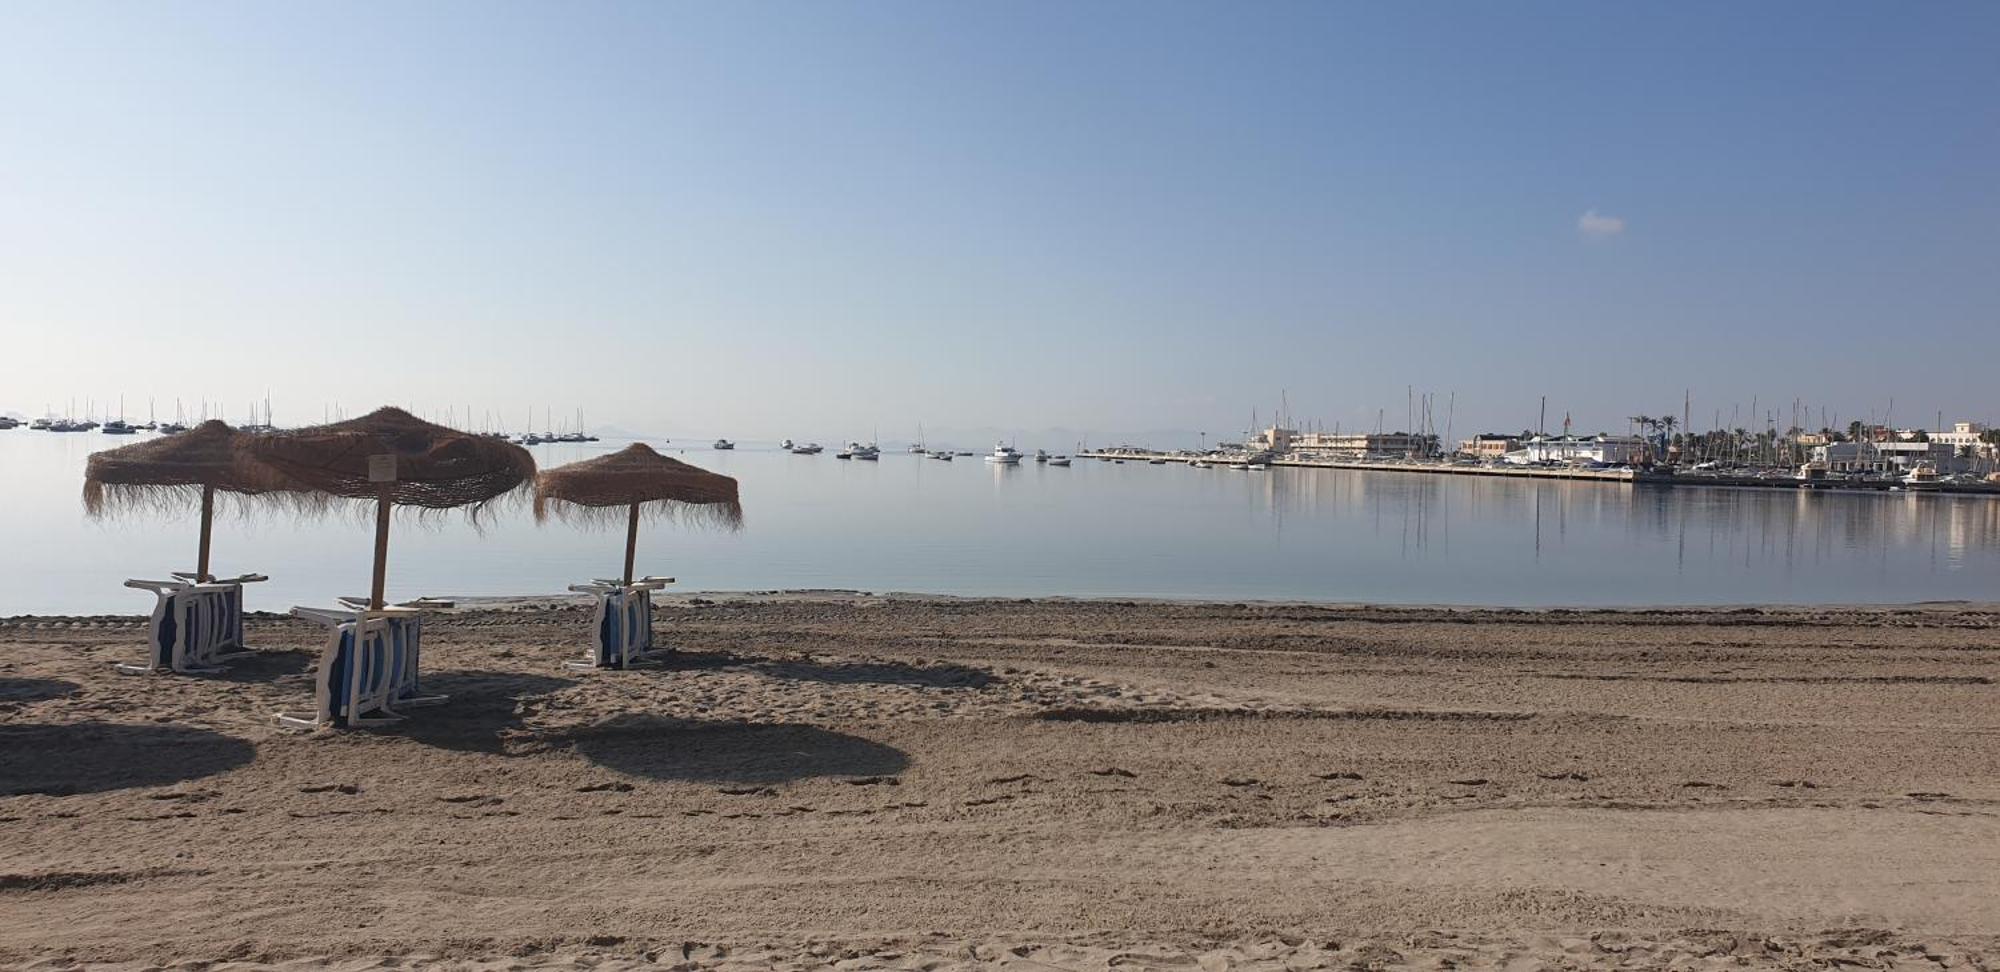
[1633, 476]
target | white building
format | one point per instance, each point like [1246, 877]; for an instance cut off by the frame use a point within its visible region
[1362, 445]
[1891, 456]
[1965, 434]
[1612, 450]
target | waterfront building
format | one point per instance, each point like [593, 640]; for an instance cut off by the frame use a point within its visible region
[1360, 445]
[1490, 445]
[1891, 456]
[1274, 439]
[1965, 434]
[1612, 450]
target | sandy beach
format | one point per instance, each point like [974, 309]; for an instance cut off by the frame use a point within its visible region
[850, 781]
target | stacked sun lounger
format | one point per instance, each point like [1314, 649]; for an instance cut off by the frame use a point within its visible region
[622, 632]
[369, 667]
[195, 623]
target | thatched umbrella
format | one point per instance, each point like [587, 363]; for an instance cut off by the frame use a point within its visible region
[637, 480]
[177, 471]
[396, 459]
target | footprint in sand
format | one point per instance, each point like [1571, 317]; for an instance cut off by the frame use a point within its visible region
[1115, 771]
[472, 799]
[1336, 776]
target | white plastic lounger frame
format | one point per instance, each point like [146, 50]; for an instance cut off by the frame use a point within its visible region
[368, 669]
[194, 625]
[622, 628]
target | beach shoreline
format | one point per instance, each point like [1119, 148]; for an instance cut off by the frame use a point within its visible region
[857, 780]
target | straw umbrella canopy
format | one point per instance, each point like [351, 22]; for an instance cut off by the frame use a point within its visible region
[177, 471]
[636, 480]
[396, 459]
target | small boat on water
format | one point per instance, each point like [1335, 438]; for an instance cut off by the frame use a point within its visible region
[40, 425]
[1923, 475]
[1257, 466]
[867, 452]
[941, 456]
[118, 427]
[724, 444]
[1059, 461]
[786, 445]
[1156, 462]
[8, 423]
[1005, 455]
[809, 449]
[1041, 455]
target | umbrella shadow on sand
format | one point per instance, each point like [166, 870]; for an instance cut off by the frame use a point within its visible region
[486, 708]
[21, 691]
[835, 672]
[731, 752]
[97, 757]
[265, 664]
[940, 676]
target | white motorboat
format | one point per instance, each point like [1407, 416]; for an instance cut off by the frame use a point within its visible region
[1041, 455]
[724, 444]
[1059, 460]
[1005, 455]
[809, 449]
[868, 452]
[942, 456]
[786, 445]
[40, 425]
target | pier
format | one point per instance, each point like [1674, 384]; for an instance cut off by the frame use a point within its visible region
[1638, 476]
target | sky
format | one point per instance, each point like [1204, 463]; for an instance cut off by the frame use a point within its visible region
[1119, 220]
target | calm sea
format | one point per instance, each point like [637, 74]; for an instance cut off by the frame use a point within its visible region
[1095, 529]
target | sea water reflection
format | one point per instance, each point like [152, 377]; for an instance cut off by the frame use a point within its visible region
[1096, 529]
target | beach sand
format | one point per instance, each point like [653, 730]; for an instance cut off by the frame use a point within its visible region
[848, 781]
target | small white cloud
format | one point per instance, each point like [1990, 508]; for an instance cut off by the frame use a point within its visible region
[1599, 226]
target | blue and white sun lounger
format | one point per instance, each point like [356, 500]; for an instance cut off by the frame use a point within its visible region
[622, 628]
[369, 666]
[194, 625]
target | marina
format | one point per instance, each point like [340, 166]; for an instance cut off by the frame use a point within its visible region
[1558, 472]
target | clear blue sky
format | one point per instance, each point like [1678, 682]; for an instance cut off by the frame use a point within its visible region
[817, 219]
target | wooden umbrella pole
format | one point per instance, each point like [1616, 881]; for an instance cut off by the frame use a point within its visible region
[381, 547]
[631, 542]
[201, 573]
